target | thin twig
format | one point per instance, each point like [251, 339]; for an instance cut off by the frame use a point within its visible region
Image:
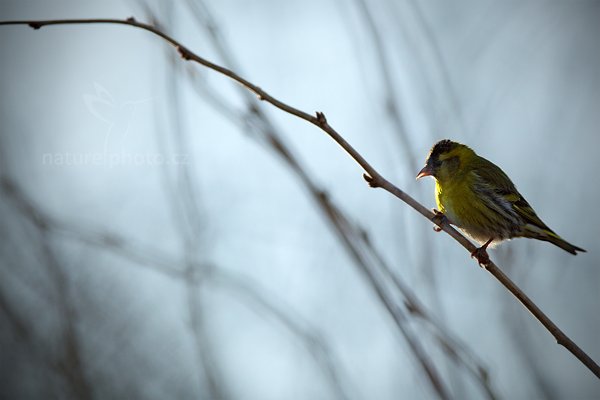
[371, 175]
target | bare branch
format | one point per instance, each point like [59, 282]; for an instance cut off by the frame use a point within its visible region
[371, 175]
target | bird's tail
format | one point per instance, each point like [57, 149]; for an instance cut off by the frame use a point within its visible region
[549, 236]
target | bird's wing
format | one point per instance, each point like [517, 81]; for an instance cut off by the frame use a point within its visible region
[525, 211]
[501, 184]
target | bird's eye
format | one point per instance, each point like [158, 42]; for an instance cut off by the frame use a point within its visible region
[452, 163]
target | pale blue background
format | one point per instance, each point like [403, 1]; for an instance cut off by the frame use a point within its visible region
[518, 81]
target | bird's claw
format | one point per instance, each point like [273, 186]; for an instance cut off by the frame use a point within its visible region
[481, 255]
[439, 219]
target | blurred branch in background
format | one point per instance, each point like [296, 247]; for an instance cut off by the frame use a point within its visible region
[524, 340]
[350, 235]
[392, 106]
[24, 333]
[182, 189]
[69, 363]
[172, 268]
[270, 137]
[391, 101]
[375, 179]
[441, 66]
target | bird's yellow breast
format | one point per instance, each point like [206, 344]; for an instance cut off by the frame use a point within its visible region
[452, 199]
[459, 202]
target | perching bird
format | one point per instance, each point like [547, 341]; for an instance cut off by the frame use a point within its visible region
[476, 196]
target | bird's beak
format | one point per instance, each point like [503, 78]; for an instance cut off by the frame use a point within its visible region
[426, 171]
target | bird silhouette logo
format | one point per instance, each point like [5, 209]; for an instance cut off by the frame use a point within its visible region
[117, 116]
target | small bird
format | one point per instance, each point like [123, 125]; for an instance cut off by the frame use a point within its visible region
[476, 196]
